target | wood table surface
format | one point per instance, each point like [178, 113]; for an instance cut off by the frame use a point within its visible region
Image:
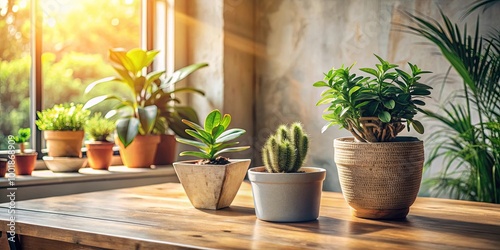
[161, 217]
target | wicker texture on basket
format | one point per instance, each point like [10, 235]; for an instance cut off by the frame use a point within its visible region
[384, 175]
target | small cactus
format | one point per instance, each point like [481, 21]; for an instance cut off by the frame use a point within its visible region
[285, 151]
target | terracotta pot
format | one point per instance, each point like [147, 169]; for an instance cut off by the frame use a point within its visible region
[99, 154]
[64, 143]
[3, 167]
[380, 180]
[141, 152]
[211, 186]
[166, 151]
[25, 163]
[287, 197]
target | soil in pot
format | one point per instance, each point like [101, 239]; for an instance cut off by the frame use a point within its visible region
[380, 180]
[99, 154]
[287, 197]
[141, 152]
[211, 186]
[25, 163]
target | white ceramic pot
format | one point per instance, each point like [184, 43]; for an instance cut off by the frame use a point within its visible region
[287, 197]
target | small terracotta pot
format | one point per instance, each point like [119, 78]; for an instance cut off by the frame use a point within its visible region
[99, 154]
[25, 163]
[166, 151]
[64, 143]
[3, 167]
[211, 186]
[141, 152]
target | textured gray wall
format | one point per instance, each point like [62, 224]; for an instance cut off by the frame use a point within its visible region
[298, 40]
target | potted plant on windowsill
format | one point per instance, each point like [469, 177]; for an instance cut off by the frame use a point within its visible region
[24, 162]
[63, 130]
[139, 113]
[170, 113]
[379, 173]
[213, 181]
[99, 149]
[283, 190]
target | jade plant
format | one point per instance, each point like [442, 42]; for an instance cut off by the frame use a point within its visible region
[212, 139]
[374, 108]
[286, 150]
[63, 117]
[148, 109]
[22, 137]
[99, 128]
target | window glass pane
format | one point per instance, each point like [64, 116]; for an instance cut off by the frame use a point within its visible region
[76, 38]
[15, 65]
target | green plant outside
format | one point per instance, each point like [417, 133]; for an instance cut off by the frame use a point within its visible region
[392, 95]
[286, 150]
[214, 138]
[63, 117]
[468, 147]
[99, 128]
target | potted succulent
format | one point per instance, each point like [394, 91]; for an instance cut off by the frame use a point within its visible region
[63, 130]
[379, 173]
[283, 190]
[213, 181]
[99, 149]
[24, 162]
[141, 112]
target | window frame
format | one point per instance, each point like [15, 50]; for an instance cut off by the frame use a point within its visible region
[148, 28]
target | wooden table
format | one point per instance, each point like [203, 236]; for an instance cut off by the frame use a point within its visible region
[161, 217]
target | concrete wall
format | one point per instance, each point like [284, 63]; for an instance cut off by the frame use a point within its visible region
[262, 70]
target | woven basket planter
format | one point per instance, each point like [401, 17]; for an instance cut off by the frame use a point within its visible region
[380, 180]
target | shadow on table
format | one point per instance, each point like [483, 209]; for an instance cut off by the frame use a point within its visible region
[232, 211]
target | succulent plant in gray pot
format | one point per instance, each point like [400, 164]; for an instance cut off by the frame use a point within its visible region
[283, 190]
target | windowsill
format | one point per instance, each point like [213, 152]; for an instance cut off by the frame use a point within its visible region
[45, 183]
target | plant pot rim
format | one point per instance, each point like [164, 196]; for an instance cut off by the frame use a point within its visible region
[261, 171]
[98, 142]
[192, 163]
[311, 174]
[398, 139]
[27, 154]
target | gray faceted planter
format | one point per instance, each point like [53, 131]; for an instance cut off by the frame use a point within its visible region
[211, 186]
[287, 197]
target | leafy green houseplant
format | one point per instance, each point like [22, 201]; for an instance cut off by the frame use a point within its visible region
[376, 163]
[24, 162]
[148, 109]
[373, 109]
[99, 149]
[468, 140]
[283, 175]
[212, 181]
[63, 127]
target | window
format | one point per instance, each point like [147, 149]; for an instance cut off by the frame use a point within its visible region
[71, 42]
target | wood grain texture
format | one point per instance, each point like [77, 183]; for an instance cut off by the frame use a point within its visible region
[161, 217]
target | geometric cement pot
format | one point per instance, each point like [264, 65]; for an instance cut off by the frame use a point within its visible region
[64, 164]
[379, 180]
[64, 143]
[211, 186]
[287, 197]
